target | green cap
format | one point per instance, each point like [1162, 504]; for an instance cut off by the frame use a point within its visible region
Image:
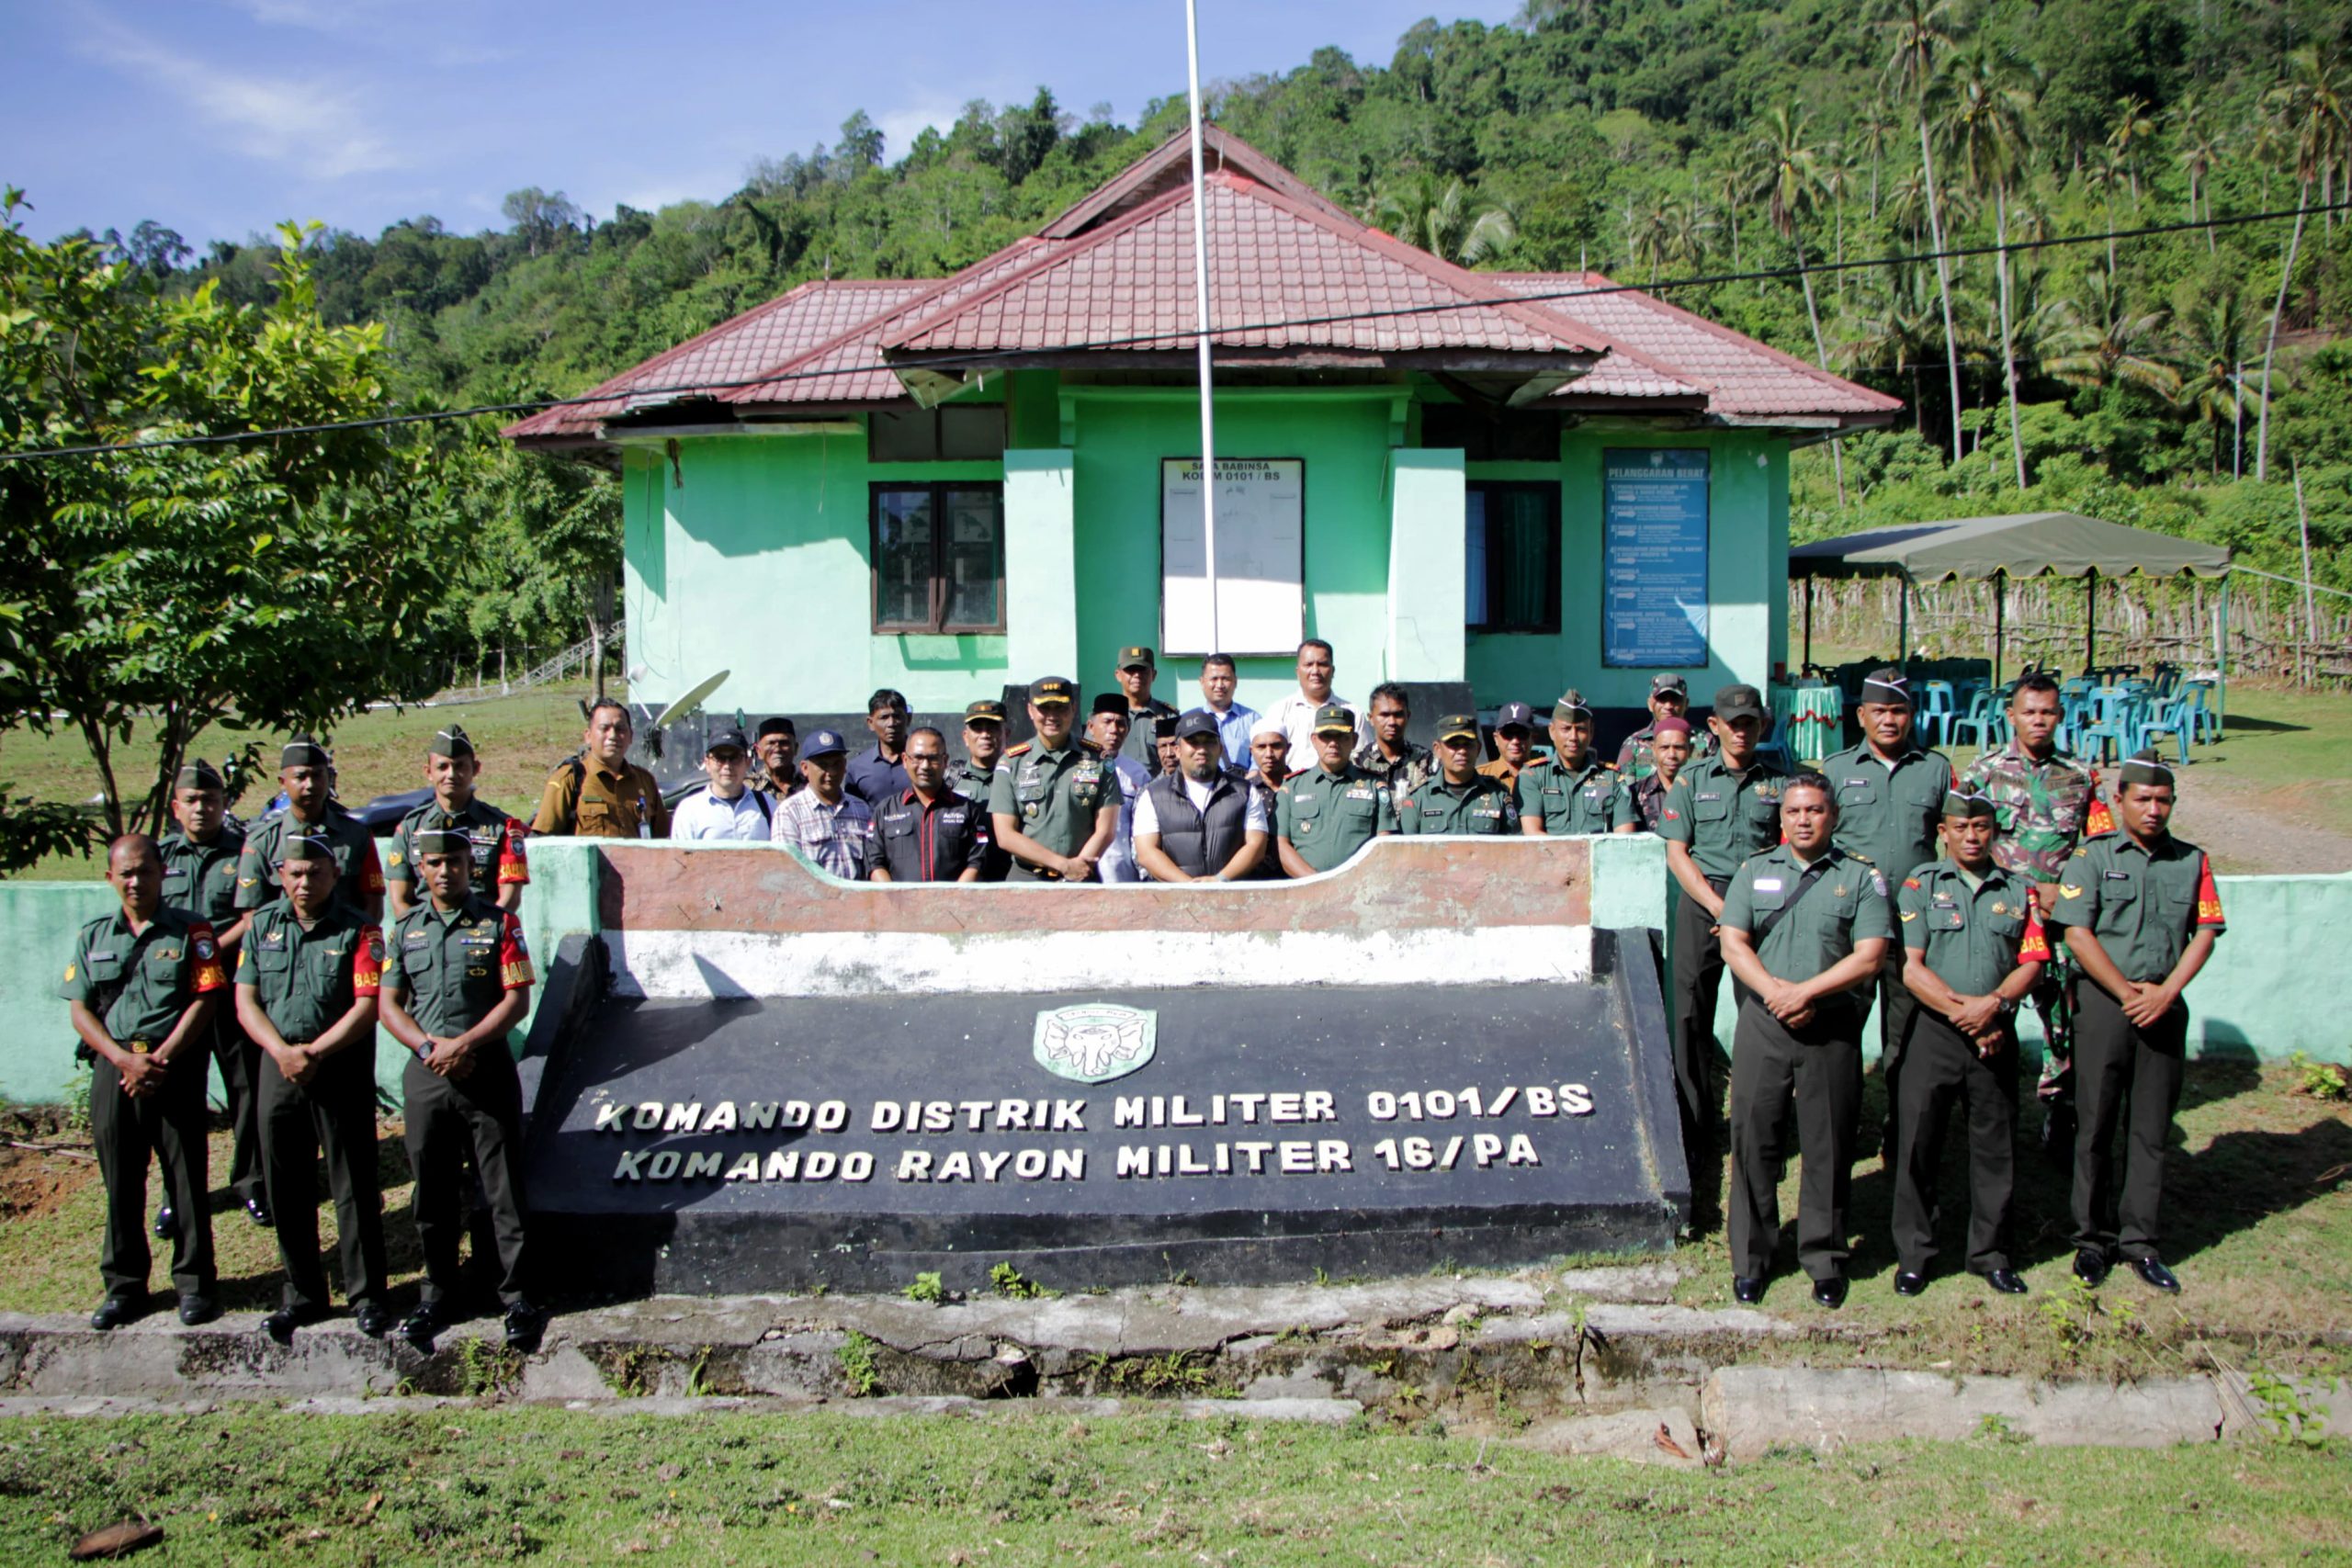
[443, 842]
[1136, 657]
[1969, 803]
[303, 846]
[1333, 716]
[988, 710]
[450, 743]
[2143, 769]
[1571, 705]
[1052, 688]
[302, 751]
[1458, 727]
[198, 775]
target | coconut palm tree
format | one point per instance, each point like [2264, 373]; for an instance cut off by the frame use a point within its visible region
[2314, 116]
[2211, 348]
[1687, 228]
[2134, 128]
[1894, 331]
[1986, 99]
[2107, 341]
[1784, 172]
[1872, 128]
[1446, 220]
[2102, 171]
[2198, 146]
[1645, 234]
[1921, 32]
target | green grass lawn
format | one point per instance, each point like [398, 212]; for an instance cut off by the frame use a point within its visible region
[459, 1484]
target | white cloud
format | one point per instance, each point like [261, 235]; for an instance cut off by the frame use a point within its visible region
[899, 127]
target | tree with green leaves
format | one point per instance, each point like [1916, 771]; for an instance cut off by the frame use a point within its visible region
[1445, 219]
[2312, 112]
[1784, 172]
[1922, 33]
[1986, 102]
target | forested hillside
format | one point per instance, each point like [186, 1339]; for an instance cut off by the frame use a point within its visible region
[1657, 140]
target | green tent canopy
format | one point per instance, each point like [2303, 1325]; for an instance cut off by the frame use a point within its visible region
[2029, 544]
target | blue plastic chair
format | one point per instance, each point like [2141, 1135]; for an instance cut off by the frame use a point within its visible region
[1935, 711]
[2204, 716]
[1981, 719]
[2174, 718]
[2111, 725]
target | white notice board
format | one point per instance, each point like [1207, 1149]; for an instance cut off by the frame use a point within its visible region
[1260, 559]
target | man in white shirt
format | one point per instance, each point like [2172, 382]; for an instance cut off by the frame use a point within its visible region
[1106, 731]
[1197, 822]
[1295, 713]
[1219, 680]
[727, 807]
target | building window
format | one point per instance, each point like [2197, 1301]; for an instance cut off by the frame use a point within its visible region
[1507, 435]
[954, 433]
[938, 557]
[1513, 553]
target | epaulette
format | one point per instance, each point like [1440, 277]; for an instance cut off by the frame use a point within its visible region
[1092, 747]
[1021, 749]
[1866, 860]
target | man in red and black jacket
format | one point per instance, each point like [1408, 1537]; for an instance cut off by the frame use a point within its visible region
[930, 833]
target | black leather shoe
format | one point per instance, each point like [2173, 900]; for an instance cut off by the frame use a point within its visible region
[1909, 1283]
[1747, 1289]
[196, 1308]
[2091, 1266]
[257, 1211]
[525, 1326]
[1830, 1294]
[114, 1312]
[167, 1223]
[2155, 1275]
[280, 1325]
[419, 1327]
[372, 1318]
[2005, 1281]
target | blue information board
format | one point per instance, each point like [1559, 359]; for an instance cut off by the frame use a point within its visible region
[1653, 587]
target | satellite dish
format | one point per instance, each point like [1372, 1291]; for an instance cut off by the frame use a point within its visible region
[685, 706]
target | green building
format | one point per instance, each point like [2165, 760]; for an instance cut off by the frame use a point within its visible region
[1517, 482]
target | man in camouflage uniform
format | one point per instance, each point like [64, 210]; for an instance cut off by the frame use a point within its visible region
[2043, 798]
[1395, 762]
[1669, 697]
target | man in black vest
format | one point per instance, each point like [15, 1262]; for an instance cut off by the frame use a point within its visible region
[1196, 822]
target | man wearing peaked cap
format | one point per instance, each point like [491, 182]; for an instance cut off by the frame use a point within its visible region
[2139, 912]
[726, 807]
[1571, 790]
[1462, 798]
[302, 769]
[1054, 805]
[831, 827]
[502, 866]
[1670, 698]
[1327, 813]
[972, 778]
[1137, 671]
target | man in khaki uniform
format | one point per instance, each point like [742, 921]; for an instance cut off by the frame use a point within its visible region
[601, 794]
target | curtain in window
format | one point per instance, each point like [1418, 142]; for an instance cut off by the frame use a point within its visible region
[1519, 534]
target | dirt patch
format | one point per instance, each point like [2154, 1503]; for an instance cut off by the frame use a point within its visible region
[36, 1181]
[2251, 829]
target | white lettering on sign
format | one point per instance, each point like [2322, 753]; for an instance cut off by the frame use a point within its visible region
[1221, 1110]
[1443, 1105]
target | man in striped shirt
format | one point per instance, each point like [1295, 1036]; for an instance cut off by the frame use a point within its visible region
[832, 829]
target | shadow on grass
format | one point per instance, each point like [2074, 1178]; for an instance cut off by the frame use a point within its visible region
[2235, 722]
[403, 1254]
[2242, 1179]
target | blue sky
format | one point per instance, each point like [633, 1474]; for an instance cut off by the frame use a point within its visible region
[218, 117]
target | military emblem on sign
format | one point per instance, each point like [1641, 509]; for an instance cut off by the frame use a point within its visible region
[1095, 1042]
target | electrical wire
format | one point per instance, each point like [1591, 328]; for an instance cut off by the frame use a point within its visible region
[983, 358]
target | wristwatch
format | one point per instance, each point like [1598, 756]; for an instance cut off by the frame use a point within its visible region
[2009, 1004]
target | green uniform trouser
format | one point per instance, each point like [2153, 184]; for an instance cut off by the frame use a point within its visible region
[1818, 1070]
[2127, 1077]
[1698, 979]
[336, 1113]
[239, 1061]
[1896, 1009]
[478, 1117]
[167, 1125]
[1940, 1066]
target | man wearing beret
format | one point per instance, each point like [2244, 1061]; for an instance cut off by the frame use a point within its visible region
[599, 793]
[142, 983]
[307, 981]
[502, 865]
[1333, 810]
[302, 772]
[1571, 790]
[1463, 798]
[1973, 949]
[457, 979]
[1722, 809]
[1889, 807]
[1054, 805]
[2138, 911]
[1670, 698]
[833, 828]
[200, 855]
[1804, 926]
[934, 834]
[1669, 745]
[1200, 821]
[777, 741]
[727, 807]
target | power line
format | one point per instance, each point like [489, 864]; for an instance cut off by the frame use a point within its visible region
[982, 359]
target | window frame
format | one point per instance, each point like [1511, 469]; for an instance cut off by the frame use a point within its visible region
[938, 624]
[1550, 624]
[936, 452]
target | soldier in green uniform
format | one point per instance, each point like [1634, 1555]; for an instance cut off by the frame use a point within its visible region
[1461, 799]
[2045, 799]
[1889, 807]
[1804, 927]
[1572, 791]
[971, 778]
[1972, 949]
[1137, 670]
[2139, 909]
[1333, 810]
[201, 856]
[1669, 697]
[142, 984]
[457, 979]
[502, 865]
[303, 772]
[599, 793]
[1721, 809]
[306, 992]
[1054, 805]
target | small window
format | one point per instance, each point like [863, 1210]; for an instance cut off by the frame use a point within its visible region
[938, 557]
[1512, 554]
[1510, 435]
[957, 433]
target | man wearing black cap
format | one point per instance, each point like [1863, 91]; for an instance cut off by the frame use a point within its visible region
[599, 793]
[1054, 805]
[726, 808]
[1721, 809]
[983, 751]
[457, 979]
[934, 834]
[2138, 911]
[200, 857]
[878, 774]
[1514, 744]
[833, 828]
[1464, 798]
[307, 981]
[1972, 949]
[1890, 808]
[1199, 821]
[501, 863]
[1137, 670]
[777, 742]
[1669, 697]
[1571, 792]
[302, 765]
[1327, 813]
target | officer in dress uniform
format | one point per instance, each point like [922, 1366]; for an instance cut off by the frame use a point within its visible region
[2138, 911]
[1463, 798]
[1572, 791]
[303, 772]
[983, 750]
[1200, 821]
[1973, 949]
[306, 992]
[1333, 810]
[457, 980]
[200, 855]
[1804, 927]
[142, 983]
[599, 793]
[502, 866]
[1054, 805]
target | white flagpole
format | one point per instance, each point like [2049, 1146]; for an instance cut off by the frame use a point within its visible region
[1201, 301]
